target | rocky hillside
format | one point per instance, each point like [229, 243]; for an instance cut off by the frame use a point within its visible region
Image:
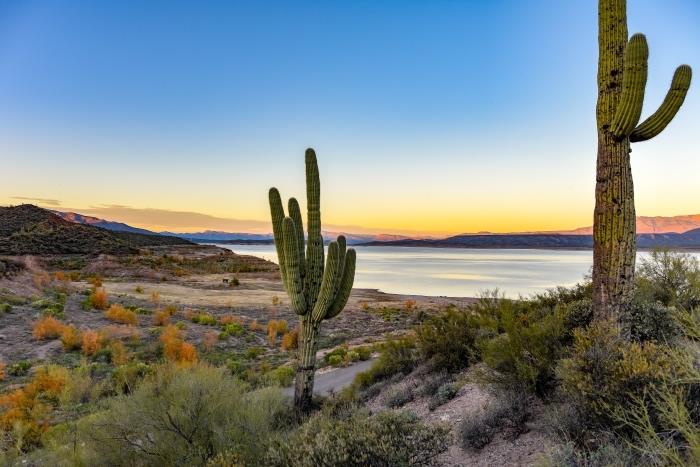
[28, 229]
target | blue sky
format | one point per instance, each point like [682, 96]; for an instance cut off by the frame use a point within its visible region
[432, 116]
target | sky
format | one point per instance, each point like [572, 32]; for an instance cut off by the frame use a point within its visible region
[431, 117]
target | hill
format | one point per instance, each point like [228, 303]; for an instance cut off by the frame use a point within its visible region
[28, 229]
[690, 239]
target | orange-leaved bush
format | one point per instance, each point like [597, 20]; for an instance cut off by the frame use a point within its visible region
[119, 314]
[25, 411]
[90, 343]
[71, 338]
[47, 327]
[99, 299]
[175, 348]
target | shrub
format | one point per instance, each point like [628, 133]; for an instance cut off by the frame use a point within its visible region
[398, 396]
[275, 300]
[47, 327]
[24, 412]
[443, 395]
[506, 415]
[3, 367]
[228, 319]
[98, 299]
[290, 340]
[209, 340]
[205, 319]
[5, 308]
[119, 314]
[71, 338]
[396, 357]
[671, 278]
[161, 318]
[138, 289]
[282, 376]
[357, 438]
[233, 329]
[449, 339]
[652, 321]
[526, 354]
[90, 342]
[181, 417]
[175, 349]
[126, 378]
[605, 371]
[20, 368]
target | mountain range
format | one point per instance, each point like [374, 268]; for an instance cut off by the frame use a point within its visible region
[656, 231]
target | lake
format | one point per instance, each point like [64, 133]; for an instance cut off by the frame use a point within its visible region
[457, 272]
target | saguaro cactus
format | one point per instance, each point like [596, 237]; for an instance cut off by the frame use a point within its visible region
[622, 75]
[316, 293]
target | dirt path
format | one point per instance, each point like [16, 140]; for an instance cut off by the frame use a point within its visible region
[327, 382]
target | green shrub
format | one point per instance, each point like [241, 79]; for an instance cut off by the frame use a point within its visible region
[449, 339]
[525, 355]
[356, 438]
[605, 371]
[506, 415]
[398, 396]
[252, 353]
[232, 329]
[334, 360]
[443, 395]
[126, 378]
[204, 319]
[433, 381]
[20, 368]
[5, 308]
[652, 321]
[397, 356]
[282, 376]
[180, 417]
[670, 278]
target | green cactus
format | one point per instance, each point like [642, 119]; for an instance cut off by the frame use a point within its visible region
[316, 292]
[622, 76]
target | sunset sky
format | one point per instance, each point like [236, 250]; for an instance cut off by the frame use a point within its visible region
[427, 116]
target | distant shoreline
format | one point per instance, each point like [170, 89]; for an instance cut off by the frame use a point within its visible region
[692, 249]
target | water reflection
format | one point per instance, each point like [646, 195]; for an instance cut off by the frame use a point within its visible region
[458, 272]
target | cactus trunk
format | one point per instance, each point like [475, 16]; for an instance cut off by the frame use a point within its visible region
[622, 75]
[316, 291]
[304, 382]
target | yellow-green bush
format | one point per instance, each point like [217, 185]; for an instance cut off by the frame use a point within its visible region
[357, 438]
[450, 339]
[605, 371]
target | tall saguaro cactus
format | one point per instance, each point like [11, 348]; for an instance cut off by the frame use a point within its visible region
[316, 292]
[622, 75]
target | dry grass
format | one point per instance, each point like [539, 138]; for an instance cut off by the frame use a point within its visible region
[119, 314]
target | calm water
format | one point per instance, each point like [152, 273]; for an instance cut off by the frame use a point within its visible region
[457, 272]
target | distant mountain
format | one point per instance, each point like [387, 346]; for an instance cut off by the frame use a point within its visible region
[246, 238]
[690, 239]
[96, 222]
[217, 236]
[652, 225]
[28, 229]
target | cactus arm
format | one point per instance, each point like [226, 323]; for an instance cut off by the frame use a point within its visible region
[634, 80]
[277, 212]
[295, 283]
[656, 123]
[342, 250]
[341, 298]
[295, 214]
[314, 245]
[327, 292]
